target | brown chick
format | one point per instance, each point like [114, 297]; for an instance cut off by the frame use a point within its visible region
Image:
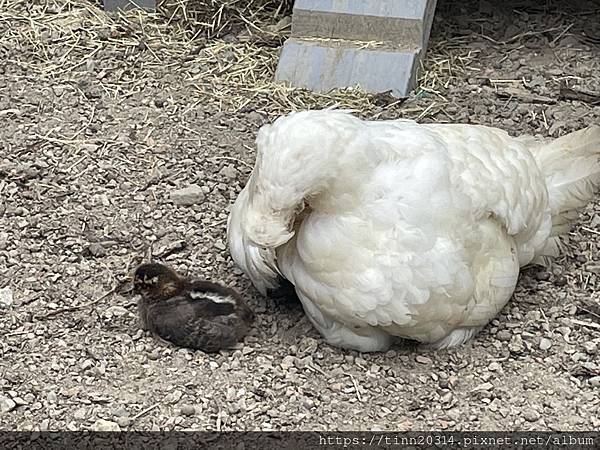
[189, 313]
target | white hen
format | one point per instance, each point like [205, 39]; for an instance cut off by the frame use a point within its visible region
[397, 228]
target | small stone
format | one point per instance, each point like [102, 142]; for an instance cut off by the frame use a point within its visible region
[96, 250]
[120, 412]
[229, 172]
[560, 280]
[6, 404]
[52, 397]
[595, 381]
[504, 335]
[246, 350]
[484, 387]
[545, 343]
[80, 414]
[105, 425]
[288, 362]
[187, 410]
[190, 195]
[45, 425]
[336, 387]
[531, 415]
[446, 398]
[87, 364]
[6, 297]
[174, 397]
[423, 359]
[516, 344]
[594, 268]
[123, 422]
[171, 247]
[542, 275]
[155, 355]
[591, 348]
[494, 367]
[301, 363]
[117, 311]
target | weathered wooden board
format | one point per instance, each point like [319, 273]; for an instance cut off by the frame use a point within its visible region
[374, 44]
[111, 5]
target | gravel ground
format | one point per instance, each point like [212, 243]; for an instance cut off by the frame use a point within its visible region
[104, 120]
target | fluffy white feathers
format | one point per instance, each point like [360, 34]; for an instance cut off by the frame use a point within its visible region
[395, 228]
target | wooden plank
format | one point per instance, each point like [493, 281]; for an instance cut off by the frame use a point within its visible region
[112, 5]
[322, 68]
[403, 9]
[399, 32]
[375, 44]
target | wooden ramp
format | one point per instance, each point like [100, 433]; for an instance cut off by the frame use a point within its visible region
[111, 5]
[375, 44]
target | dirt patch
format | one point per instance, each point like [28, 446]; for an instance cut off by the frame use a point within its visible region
[104, 116]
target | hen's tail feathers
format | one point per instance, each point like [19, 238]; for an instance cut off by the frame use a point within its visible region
[571, 165]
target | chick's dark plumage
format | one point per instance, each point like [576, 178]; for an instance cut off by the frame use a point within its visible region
[190, 313]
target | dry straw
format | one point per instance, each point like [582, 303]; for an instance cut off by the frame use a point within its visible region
[226, 50]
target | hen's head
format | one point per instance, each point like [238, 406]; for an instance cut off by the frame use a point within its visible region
[156, 282]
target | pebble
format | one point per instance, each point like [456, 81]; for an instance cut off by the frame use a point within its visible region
[542, 275]
[6, 404]
[301, 363]
[96, 250]
[120, 412]
[494, 367]
[187, 410]
[190, 195]
[229, 173]
[117, 311]
[155, 355]
[87, 364]
[105, 425]
[174, 397]
[52, 397]
[504, 335]
[80, 414]
[595, 381]
[423, 359]
[123, 422]
[560, 280]
[45, 425]
[288, 362]
[591, 348]
[6, 297]
[484, 387]
[545, 344]
[531, 415]
[516, 344]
